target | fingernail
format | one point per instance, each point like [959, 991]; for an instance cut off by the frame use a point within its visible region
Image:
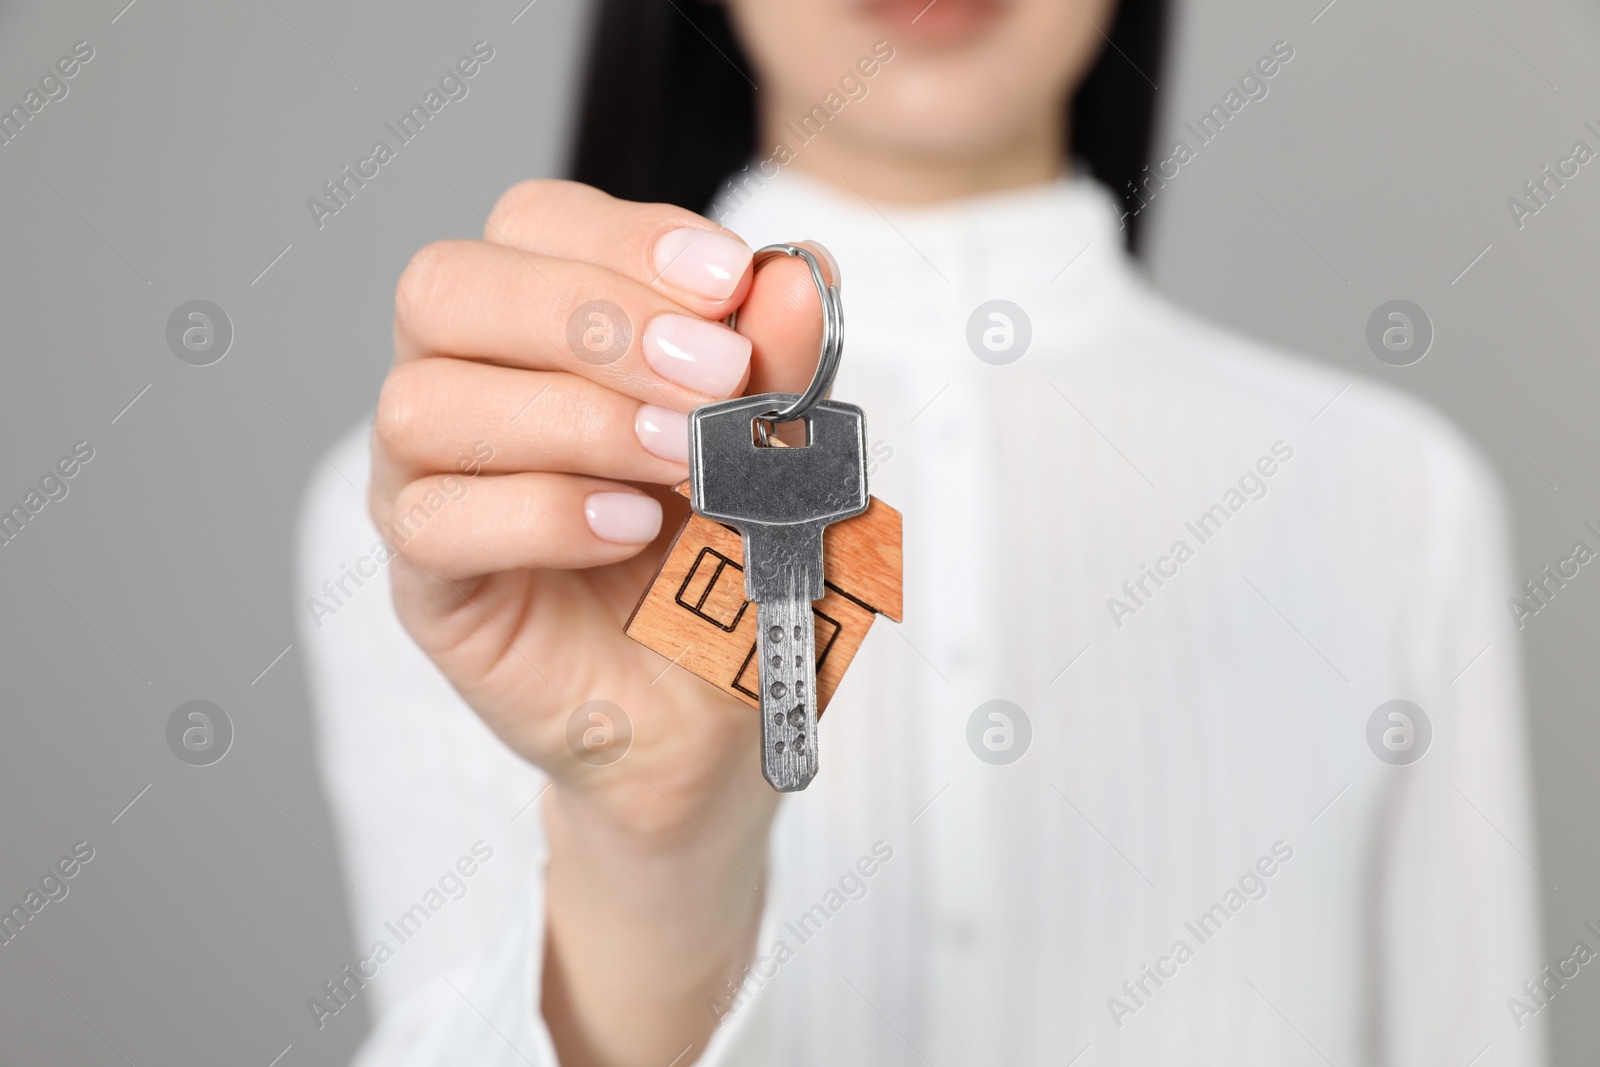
[699, 354]
[702, 262]
[830, 265]
[663, 432]
[623, 518]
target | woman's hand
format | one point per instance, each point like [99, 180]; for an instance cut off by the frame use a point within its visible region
[521, 459]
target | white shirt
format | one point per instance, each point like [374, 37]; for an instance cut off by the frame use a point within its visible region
[1199, 739]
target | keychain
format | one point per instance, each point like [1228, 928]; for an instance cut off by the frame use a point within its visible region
[791, 529]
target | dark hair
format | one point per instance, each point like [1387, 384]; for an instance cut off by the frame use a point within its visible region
[668, 107]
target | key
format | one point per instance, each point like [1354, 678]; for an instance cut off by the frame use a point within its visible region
[780, 500]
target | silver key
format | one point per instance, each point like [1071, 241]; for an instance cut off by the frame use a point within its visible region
[780, 499]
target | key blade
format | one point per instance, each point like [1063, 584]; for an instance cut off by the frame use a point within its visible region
[772, 556]
[786, 650]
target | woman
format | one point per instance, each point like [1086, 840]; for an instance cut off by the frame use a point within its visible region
[1196, 570]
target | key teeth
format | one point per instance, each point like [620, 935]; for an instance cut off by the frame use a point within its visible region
[788, 710]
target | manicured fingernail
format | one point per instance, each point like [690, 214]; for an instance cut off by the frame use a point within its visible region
[699, 354]
[702, 262]
[623, 518]
[830, 265]
[663, 432]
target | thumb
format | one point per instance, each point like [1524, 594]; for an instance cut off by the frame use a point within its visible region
[782, 317]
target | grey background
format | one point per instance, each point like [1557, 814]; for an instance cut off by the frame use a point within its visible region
[178, 167]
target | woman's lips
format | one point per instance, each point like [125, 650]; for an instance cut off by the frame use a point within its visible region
[938, 22]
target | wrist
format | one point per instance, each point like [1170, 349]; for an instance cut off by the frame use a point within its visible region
[647, 918]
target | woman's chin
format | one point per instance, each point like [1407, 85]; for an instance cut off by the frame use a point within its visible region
[941, 113]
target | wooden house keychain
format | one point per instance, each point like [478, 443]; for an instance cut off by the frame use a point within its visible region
[774, 580]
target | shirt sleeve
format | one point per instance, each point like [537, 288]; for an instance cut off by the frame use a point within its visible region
[441, 847]
[484, 1013]
[1458, 882]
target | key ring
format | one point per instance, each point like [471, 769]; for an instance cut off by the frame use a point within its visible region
[832, 333]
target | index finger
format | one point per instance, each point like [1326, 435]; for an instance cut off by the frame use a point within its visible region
[684, 256]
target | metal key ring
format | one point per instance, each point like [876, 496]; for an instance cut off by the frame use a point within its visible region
[832, 331]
